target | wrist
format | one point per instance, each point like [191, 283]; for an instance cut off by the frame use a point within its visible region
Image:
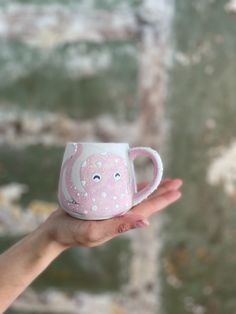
[47, 241]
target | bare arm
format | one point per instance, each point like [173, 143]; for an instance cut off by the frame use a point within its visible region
[24, 261]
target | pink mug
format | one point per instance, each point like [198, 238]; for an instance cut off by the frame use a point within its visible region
[97, 180]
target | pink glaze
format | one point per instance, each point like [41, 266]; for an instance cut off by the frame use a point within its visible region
[107, 189]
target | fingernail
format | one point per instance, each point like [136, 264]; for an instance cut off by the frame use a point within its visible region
[142, 223]
[177, 182]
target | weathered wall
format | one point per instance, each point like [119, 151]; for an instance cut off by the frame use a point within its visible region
[199, 256]
[83, 80]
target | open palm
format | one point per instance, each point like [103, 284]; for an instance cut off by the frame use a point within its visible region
[68, 231]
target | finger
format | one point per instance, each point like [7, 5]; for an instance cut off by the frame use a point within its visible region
[142, 185]
[137, 217]
[155, 204]
[110, 228]
[170, 185]
[165, 186]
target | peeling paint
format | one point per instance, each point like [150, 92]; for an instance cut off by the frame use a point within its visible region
[222, 169]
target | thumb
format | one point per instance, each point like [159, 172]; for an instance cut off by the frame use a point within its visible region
[118, 225]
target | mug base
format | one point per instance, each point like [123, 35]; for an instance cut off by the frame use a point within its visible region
[78, 216]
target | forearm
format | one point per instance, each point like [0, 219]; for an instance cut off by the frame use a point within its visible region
[23, 262]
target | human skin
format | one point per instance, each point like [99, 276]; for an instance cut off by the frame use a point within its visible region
[25, 260]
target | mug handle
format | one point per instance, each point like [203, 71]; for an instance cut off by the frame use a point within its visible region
[158, 172]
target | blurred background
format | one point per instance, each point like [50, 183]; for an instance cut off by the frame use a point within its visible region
[149, 72]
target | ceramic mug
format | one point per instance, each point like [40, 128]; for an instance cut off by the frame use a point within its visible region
[97, 180]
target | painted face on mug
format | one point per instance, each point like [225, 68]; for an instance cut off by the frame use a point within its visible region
[104, 172]
[105, 179]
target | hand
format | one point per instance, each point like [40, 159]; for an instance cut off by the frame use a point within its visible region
[67, 231]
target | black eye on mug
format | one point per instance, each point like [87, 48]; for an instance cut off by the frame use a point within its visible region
[96, 177]
[117, 176]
